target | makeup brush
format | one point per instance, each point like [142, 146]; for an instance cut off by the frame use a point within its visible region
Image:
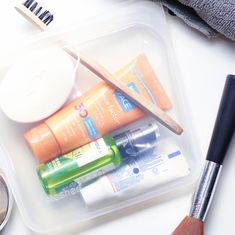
[41, 18]
[222, 134]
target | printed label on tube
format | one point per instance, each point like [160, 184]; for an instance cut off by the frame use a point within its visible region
[125, 103]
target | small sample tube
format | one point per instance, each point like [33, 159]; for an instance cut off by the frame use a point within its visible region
[162, 164]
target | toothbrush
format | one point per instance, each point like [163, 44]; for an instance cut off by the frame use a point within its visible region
[42, 18]
[35, 14]
[220, 140]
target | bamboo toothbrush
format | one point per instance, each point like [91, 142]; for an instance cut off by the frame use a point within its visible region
[220, 140]
[35, 14]
[41, 18]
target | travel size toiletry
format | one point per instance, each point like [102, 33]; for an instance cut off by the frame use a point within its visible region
[96, 158]
[159, 165]
[82, 165]
[97, 112]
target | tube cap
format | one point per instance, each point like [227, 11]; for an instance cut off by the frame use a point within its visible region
[97, 191]
[42, 143]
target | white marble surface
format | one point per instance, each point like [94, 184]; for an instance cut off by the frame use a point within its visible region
[203, 66]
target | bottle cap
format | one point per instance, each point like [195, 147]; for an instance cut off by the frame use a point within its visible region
[138, 140]
[42, 143]
[98, 191]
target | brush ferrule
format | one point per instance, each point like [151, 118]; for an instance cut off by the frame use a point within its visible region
[205, 190]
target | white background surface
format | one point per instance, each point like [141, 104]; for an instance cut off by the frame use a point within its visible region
[203, 66]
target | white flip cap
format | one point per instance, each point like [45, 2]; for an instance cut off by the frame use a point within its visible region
[98, 191]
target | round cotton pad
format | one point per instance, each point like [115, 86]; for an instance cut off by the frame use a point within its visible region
[37, 86]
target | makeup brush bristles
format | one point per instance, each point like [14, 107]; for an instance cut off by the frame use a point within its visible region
[44, 15]
[190, 226]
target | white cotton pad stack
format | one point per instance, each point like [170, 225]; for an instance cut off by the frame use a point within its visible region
[37, 85]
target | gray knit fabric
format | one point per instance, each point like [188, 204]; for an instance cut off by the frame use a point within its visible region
[207, 16]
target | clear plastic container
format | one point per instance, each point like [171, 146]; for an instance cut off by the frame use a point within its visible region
[113, 39]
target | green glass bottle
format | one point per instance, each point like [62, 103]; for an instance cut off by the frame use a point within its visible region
[81, 165]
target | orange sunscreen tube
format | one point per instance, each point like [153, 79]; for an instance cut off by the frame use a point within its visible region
[97, 112]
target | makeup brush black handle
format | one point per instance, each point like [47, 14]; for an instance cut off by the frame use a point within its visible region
[224, 125]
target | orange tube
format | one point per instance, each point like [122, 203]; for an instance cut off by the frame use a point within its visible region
[97, 112]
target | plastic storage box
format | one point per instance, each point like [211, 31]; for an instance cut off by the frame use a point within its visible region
[114, 39]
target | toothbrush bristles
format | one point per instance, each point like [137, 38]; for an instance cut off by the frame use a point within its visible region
[37, 11]
[48, 20]
[44, 15]
[32, 8]
[27, 3]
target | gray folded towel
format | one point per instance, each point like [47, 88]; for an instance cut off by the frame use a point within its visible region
[208, 16]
